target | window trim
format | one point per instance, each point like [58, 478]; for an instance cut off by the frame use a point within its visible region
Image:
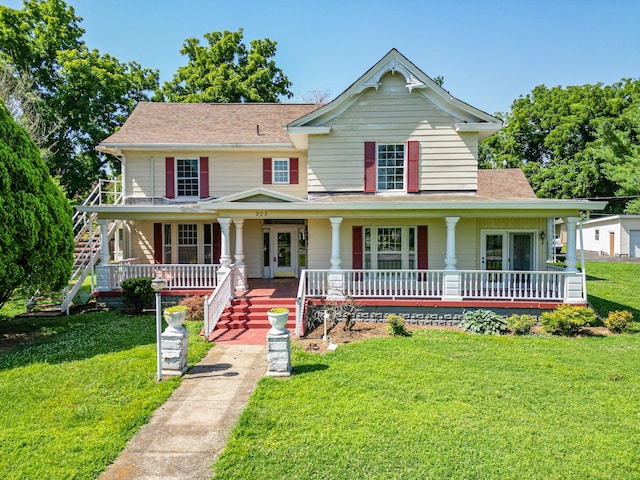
[379, 167]
[371, 242]
[177, 177]
[274, 171]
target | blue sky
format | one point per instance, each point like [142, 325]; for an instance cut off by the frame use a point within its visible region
[489, 51]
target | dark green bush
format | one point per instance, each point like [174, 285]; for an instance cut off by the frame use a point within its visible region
[521, 324]
[567, 320]
[396, 326]
[483, 322]
[618, 321]
[137, 294]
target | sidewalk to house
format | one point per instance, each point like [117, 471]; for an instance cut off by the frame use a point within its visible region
[186, 434]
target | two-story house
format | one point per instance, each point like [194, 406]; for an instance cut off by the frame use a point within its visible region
[376, 194]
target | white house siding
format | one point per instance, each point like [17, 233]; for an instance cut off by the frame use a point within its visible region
[229, 172]
[621, 226]
[142, 241]
[448, 160]
[252, 239]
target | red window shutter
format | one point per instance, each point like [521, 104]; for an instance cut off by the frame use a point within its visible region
[204, 177]
[413, 166]
[370, 167]
[423, 248]
[356, 248]
[266, 171]
[293, 171]
[216, 239]
[170, 177]
[157, 242]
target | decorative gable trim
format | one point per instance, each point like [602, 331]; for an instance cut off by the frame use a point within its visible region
[395, 62]
[257, 192]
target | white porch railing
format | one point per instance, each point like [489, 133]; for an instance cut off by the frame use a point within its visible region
[175, 275]
[555, 286]
[513, 285]
[216, 303]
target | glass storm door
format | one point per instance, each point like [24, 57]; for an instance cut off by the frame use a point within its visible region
[494, 255]
[521, 251]
[284, 256]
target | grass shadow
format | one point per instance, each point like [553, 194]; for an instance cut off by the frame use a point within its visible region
[309, 368]
[604, 306]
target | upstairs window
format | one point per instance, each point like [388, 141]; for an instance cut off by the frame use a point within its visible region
[280, 171]
[187, 176]
[390, 167]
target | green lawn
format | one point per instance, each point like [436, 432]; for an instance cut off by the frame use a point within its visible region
[614, 286]
[76, 390]
[445, 404]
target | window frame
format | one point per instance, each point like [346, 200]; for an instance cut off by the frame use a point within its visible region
[275, 172]
[379, 168]
[371, 243]
[178, 178]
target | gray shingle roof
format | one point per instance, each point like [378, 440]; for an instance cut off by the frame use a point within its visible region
[208, 124]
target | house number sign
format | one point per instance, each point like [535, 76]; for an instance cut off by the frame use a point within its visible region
[261, 213]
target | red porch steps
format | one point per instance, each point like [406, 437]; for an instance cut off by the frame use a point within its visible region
[245, 320]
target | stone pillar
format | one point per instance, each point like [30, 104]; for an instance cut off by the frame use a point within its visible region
[450, 259]
[279, 354]
[241, 268]
[571, 260]
[174, 351]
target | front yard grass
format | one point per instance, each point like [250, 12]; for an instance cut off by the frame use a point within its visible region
[445, 404]
[614, 286]
[75, 389]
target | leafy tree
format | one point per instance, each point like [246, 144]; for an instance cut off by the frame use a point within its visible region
[619, 146]
[226, 71]
[82, 95]
[36, 238]
[556, 136]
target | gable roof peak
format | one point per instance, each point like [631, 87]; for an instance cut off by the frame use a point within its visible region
[395, 62]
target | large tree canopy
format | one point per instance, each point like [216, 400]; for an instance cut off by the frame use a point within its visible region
[36, 238]
[82, 95]
[226, 71]
[562, 138]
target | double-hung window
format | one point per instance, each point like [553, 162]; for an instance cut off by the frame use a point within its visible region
[281, 171]
[187, 243]
[389, 248]
[187, 177]
[391, 167]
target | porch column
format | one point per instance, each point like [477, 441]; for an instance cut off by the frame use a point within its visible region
[335, 277]
[105, 254]
[103, 272]
[241, 268]
[225, 248]
[452, 282]
[335, 243]
[571, 260]
[450, 259]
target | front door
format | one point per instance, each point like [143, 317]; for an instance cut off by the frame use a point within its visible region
[521, 252]
[284, 252]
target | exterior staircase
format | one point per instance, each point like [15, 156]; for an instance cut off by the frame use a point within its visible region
[87, 249]
[245, 320]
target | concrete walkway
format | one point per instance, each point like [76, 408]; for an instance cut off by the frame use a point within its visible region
[186, 434]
